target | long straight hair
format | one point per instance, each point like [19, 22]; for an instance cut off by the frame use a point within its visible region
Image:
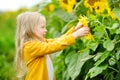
[25, 31]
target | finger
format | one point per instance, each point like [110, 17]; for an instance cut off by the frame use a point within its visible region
[80, 24]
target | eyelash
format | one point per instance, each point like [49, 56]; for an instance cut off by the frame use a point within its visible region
[43, 27]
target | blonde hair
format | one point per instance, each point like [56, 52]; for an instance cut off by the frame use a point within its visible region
[25, 31]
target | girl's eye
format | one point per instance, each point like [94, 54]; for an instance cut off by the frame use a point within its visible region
[42, 27]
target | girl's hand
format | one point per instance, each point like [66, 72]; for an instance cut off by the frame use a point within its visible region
[81, 32]
[78, 26]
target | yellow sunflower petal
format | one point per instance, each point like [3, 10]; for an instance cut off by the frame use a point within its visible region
[89, 37]
[84, 21]
[67, 5]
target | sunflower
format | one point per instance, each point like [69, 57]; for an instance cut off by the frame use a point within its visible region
[110, 13]
[67, 5]
[89, 4]
[50, 7]
[99, 7]
[63, 4]
[103, 5]
[89, 37]
[85, 22]
[69, 8]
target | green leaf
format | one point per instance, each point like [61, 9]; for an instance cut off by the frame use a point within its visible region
[99, 31]
[109, 45]
[76, 63]
[113, 28]
[69, 56]
[118, 55]
[115, 25]
[102, 58]
[93, 46]
[71, 64]
[118, 31]
[98, 55]
[94, 71]
[98, 35]
[112, 61]
[64, 15]
[68, 25]
[116, 12]
[92, 17]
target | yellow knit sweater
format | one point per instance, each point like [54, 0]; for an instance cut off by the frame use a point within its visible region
[35, 54]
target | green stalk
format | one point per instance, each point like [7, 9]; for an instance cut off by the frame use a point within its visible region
[113, 68]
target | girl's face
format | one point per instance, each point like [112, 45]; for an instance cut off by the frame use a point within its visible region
[41, 29]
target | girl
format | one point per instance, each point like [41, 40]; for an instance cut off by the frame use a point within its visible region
[33, 50]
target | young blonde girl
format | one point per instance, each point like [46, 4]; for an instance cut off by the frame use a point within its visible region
[33, 50]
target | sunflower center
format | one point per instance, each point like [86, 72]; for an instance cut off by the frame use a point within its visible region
[98, 7]
[65, 1]
[91, 2]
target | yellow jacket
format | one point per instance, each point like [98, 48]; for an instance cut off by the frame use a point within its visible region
[35, 54]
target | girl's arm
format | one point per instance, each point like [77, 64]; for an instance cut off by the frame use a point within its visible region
[71, 30]
[38, 48]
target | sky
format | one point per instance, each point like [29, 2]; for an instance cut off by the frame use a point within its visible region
[12, 5]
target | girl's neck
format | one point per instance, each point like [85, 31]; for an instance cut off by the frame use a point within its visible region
[41, 39]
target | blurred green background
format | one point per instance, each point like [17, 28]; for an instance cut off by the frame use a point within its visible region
[58, 21]
[7, 34]
[7, 45]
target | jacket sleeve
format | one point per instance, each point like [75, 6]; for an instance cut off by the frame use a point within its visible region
[38, 48]
[71, 30]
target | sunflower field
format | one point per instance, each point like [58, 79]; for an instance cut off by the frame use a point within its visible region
[93, 57]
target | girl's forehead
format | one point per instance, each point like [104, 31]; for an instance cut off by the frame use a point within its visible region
[42, 21]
